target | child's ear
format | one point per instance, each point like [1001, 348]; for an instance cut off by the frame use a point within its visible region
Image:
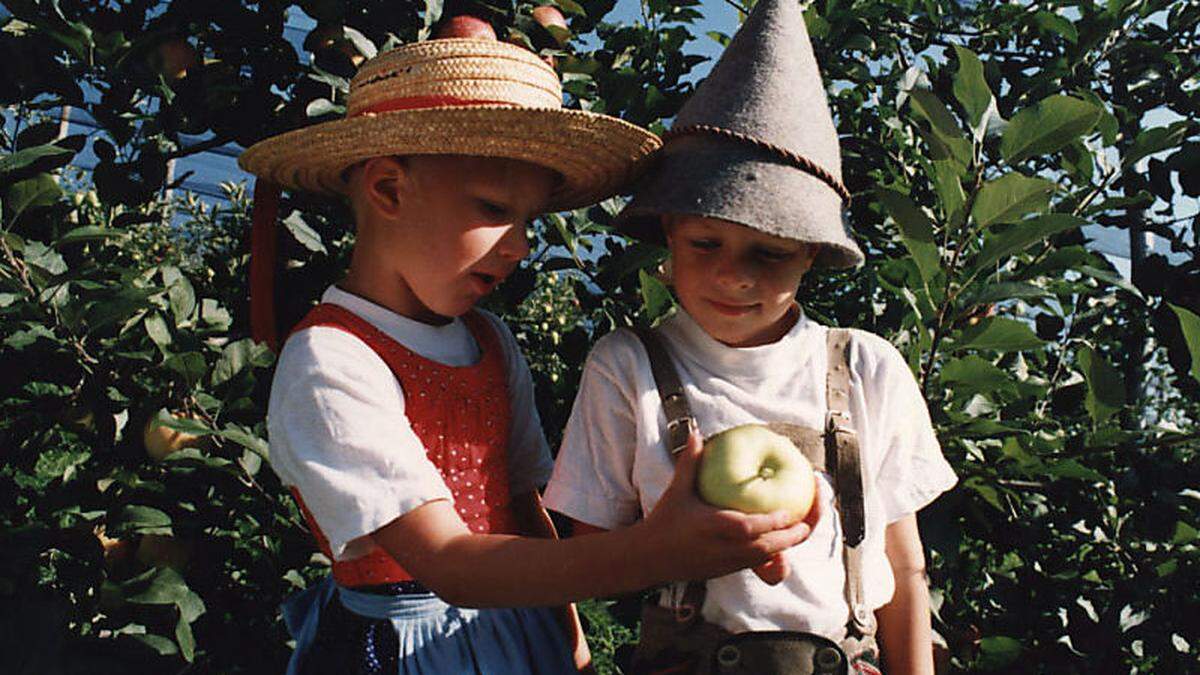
[667, 223]
[384, 183]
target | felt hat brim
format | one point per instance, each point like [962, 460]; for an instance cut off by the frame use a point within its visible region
[701, 176]
[595, 155]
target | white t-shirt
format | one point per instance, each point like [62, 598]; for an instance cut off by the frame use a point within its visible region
[613, 465]
[338, 432]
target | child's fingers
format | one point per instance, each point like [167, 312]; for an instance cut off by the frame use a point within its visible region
[778, 540]
[774, 570]
[687, 462]
[814, 514]
[745, 526]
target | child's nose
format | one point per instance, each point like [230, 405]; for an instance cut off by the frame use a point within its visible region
[514, 245]
[733, 272]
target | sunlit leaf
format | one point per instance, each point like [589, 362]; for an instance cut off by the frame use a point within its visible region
[1010, 197]
[1047, 126]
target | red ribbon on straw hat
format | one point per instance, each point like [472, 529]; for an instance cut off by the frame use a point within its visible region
[264, 240]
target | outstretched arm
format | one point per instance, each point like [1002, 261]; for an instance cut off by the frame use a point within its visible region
[681, 538]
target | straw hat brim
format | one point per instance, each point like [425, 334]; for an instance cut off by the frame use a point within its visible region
[596, 155]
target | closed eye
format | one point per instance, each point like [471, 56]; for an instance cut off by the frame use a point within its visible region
[492, 210]
[771, 255]
[704, 244]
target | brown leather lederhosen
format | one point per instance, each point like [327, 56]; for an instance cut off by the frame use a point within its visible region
[678, 640]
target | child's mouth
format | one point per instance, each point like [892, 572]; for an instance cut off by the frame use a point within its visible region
[484, 282]
[731, 310]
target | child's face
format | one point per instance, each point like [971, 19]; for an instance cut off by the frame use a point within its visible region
[738, 283]
[454, 231]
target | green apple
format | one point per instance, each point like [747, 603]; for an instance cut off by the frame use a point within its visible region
[755, 470]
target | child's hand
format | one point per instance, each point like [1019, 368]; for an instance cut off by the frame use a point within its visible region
[693, 540]
[777, 569]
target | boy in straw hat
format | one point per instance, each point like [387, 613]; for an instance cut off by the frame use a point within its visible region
[748, 197]
[402, 419]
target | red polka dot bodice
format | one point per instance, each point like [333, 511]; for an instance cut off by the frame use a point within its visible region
[460, 414]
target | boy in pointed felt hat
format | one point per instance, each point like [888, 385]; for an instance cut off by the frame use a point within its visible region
[747, 195]
[402, 418]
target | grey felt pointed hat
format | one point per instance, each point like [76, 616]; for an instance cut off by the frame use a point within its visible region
[755, 144]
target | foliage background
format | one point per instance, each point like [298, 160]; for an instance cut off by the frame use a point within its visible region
[978, 137]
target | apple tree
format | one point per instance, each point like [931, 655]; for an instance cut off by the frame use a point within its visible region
[143, 532]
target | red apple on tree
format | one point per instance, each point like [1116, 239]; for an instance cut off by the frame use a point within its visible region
[549, 15]
[465, 26]
[173, 58]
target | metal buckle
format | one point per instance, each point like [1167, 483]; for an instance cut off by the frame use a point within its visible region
[838, 421]
[679, 443]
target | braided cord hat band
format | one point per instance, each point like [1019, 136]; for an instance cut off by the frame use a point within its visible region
[799, 161]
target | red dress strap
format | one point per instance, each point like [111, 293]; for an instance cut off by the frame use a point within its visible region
[461, 416]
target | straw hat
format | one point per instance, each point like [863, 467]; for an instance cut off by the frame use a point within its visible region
[459, 96]
[755, 145]
[455, 96]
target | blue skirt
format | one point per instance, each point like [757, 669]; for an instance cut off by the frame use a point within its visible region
[340, 630]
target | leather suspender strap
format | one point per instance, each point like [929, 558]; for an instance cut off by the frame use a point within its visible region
[680, 421]
[842, 460]
[844, 457]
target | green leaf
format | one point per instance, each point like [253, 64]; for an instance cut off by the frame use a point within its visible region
[433, 12]
[1157, 139]
[89, 233]
[246, 439]
[234, 358]
[1111, 278]
[1051, 22]
[656, 298]
[166, 588]
[987, 492]
[158, 643]
[930, 107]
[305, 235]
[144, 519]
[159, 332]
[998, 334]
[1007, 290]
[21, 339]
[120, 307]
[916, 230]
[1189, 323]
[570, 7]
[970, 86]
[20, 160]
[1070, 468]
[1022, 235]
[1007, 198]
[187, 642]
[1046, 126]
[190, 606]
[973, 374]
[1105, 386]
[191, 365]
[181, 295]
[212, 313]
[1184, 534]
[998, 652]
[41, 190]
[947, 181]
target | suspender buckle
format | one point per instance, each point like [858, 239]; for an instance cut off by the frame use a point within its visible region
[678, 430]
[838, 421]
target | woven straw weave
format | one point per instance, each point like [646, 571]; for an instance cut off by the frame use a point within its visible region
[523, 119]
